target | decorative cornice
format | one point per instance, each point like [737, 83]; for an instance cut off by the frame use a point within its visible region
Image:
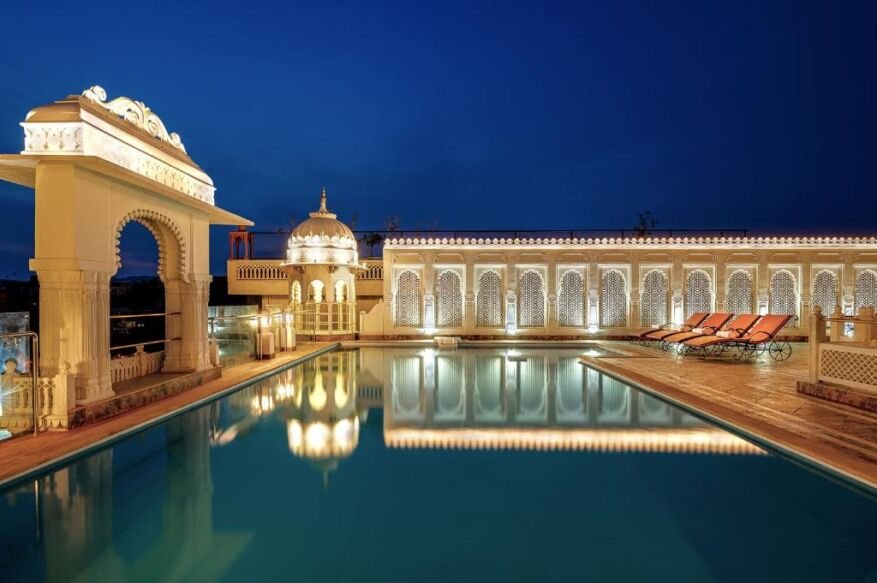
[135, 112]
[631, 243]
[122, 132]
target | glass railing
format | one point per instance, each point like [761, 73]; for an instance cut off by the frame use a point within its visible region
[235, 331]
[19, 402]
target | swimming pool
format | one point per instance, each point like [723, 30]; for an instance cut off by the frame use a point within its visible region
[399, 464]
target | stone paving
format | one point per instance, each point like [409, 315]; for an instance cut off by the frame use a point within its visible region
[760, 398]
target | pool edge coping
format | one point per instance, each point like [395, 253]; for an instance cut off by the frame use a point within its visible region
[33, 472]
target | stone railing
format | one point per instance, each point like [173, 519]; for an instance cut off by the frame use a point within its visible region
[16, 411]
[373, 270]
[258, 270]
[139, 364]
[843, 349]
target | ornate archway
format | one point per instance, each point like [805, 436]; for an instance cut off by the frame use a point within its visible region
[95, 165]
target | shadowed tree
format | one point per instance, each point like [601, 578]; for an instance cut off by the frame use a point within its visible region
[645, 224]
[372, 240]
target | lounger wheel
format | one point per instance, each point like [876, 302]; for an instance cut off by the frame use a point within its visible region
[779, 351]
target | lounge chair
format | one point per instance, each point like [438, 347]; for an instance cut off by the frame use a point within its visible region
[754, 341]
[711, 324]
[658, 334]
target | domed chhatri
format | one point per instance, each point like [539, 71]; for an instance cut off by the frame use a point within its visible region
[321, 262]
[322, 240]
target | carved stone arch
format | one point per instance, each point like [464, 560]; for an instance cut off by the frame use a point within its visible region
[169, 238]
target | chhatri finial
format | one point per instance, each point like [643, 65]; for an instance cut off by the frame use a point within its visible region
[323, 208]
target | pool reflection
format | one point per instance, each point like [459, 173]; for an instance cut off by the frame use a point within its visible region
[472, 399]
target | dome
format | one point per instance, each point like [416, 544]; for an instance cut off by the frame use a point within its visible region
[322, 240]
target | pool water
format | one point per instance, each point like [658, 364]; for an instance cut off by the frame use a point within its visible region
[415, 465]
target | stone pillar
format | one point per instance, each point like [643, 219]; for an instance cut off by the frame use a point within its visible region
[592, 285]
[816, 337]
[551, 294]
[806, 295]
[720, 282]
[633, 320]
[469, 296]
[191, 352]
[677, 291]
[762, 284]
[75, 328]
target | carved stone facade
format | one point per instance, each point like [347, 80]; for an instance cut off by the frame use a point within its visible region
[96, 166]
[624, 281]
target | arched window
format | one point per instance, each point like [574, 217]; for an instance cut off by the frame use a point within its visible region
[408, 300]
[531, 300]
[866, 289]
[783, 293]
[613, 299]
[340, 292]
[653, 299]
[449, 300]
[315, 291]
[825, 291]
[295, 293]
[739, 300]
[571, 300]
[698, 293]
[489, 301]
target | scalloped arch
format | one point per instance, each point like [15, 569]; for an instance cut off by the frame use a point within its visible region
[161, 226]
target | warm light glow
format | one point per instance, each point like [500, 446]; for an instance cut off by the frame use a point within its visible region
[262, 404]
[295, 436]
[317, 397]
[699, 440]
[316, 439]
[285, 392]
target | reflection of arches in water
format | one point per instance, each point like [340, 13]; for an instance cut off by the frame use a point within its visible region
[614, 399]
[570, 388]
[450, 395]
[654, 410]
[488, 387]
[532, 388]
[406, 386]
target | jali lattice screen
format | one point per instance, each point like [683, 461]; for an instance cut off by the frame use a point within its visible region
[613, 299]
[449, 300]
[698, 295]
[408, 300]
[489, 301]
[571, 300]
[783, 293]
[825, 291]
[531, 303]
[866, 289]
[653, 299]
[739, 300]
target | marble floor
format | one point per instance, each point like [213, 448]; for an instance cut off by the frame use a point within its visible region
[25, 453]
[760, 398]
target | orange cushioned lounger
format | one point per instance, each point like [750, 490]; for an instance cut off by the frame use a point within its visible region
[659, 333]
[736, 330]
[768, 327]
[712, 324]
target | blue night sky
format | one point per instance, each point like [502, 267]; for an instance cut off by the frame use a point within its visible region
[478, 115]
